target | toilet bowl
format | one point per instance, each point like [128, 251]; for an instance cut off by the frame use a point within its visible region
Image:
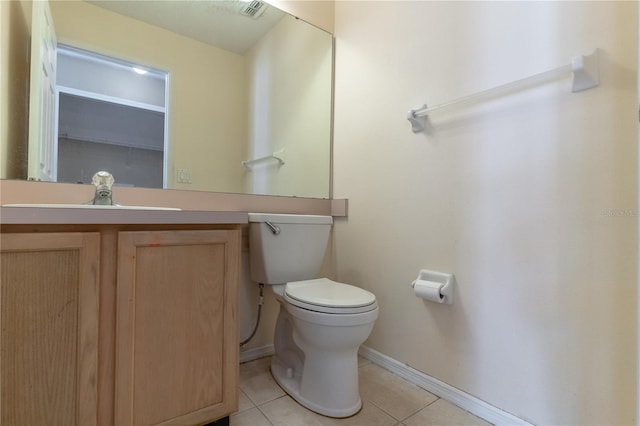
[321, 323]
[316, 354]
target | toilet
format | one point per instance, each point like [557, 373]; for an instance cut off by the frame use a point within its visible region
[321, 323]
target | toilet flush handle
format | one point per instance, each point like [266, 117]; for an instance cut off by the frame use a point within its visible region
[274, 228]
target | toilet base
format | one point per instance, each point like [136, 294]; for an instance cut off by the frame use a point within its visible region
[316, 357]
[285, 377]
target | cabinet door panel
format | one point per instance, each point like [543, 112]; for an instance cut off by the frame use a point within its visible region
[176, 326]
[49, 323]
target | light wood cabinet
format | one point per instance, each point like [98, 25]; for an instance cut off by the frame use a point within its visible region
[49, 323]
[176, 335]
[127, 325]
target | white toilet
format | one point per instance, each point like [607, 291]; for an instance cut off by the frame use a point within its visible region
[321, 323]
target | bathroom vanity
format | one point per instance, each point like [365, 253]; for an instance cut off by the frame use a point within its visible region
[124, 317]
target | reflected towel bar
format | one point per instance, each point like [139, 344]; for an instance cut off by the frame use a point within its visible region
[278, 155]
[585, 76]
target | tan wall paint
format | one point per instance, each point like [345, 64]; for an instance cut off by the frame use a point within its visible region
[531, 200]
[207, 119]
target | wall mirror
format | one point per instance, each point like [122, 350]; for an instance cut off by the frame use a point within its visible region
[248, 92]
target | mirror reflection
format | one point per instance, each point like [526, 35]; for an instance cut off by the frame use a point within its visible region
[111, 113]
[246, 105]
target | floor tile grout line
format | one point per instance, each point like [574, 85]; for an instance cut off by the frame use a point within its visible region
[253, 405]
[394, 417]
[264, 414]
[266, 401]
[383, 410]
[407, 383]
[420, 409]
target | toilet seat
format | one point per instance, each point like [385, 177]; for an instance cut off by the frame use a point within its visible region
[327, 296]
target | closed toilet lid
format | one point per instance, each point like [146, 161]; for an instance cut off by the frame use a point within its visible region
[323, 292]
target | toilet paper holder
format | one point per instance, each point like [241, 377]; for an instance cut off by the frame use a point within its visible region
[446, 280]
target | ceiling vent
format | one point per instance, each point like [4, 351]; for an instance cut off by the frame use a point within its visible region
[254, 9]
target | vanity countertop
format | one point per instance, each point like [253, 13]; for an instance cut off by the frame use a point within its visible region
[76, 216]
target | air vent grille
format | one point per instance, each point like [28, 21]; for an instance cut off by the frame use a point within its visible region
[255, 9]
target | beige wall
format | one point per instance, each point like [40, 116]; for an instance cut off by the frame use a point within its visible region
[531, 200]
[15, 38]
[289, 88]
[207, 106]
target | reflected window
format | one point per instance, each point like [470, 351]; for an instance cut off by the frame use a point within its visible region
[111, 116]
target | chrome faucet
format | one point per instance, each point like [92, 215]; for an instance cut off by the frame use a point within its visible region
[103, 182]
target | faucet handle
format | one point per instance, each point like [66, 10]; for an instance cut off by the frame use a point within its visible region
[103, 180]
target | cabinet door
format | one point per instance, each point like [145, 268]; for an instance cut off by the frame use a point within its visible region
[49, 328]
[177, 333]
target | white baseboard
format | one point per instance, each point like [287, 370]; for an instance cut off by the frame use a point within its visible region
[447, 392]
[247, 355]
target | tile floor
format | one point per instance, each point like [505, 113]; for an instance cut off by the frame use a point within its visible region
[386, 400]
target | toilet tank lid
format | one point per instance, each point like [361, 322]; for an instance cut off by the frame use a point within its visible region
[290, 218]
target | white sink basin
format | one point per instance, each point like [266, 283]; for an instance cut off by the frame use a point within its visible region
[88, 206]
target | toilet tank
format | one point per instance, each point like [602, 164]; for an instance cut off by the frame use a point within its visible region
[295, 253]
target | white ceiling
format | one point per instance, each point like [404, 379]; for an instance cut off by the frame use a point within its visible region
[216, 22]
